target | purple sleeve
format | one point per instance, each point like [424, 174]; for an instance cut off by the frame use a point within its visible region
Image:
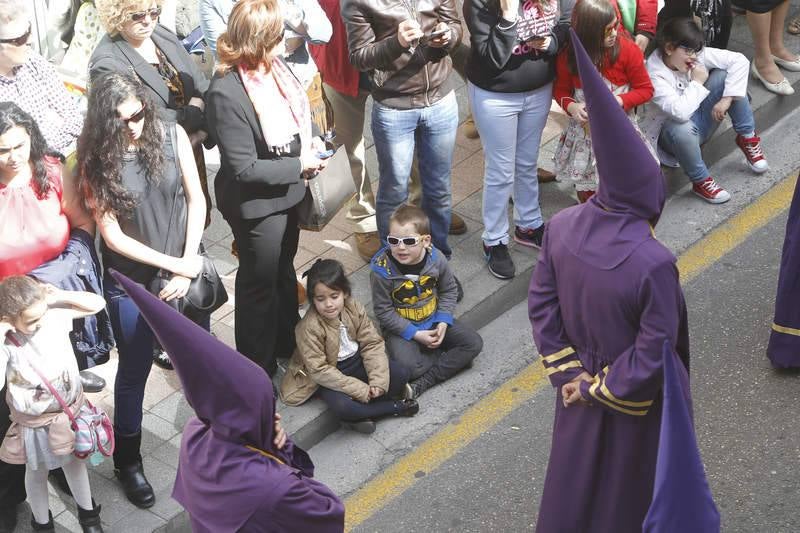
[561, 362]
[307, 505]
[630, 383]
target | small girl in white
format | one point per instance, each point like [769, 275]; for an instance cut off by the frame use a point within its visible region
[35, 321]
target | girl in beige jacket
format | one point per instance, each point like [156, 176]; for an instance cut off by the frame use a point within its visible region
[341, 357]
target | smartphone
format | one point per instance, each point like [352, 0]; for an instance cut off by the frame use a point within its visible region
[326, 154]
[438, 33]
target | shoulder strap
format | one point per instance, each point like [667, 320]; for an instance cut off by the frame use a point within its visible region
[265, 454]
[171, 131]
[12, 337]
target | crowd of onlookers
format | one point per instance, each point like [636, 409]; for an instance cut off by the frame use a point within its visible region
[123, 166]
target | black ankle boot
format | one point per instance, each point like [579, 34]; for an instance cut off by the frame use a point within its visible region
[128, 469]
[90, 520]
[43, 527]
[406, 407]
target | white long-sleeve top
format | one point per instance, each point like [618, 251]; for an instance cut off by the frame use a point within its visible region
[676, 96]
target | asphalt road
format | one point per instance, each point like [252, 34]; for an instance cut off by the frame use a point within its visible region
[746, 416]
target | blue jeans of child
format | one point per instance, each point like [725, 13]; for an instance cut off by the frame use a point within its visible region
[684, 139]
[432, 132]
[135, 342]
[350, 410]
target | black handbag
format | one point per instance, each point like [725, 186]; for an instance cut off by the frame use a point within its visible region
[206, 292]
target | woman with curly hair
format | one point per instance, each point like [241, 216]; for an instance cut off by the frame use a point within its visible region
[140, 182]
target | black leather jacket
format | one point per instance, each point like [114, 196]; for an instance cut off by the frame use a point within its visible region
[402, 78]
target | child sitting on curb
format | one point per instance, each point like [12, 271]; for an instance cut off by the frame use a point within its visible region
[341, 356]
[35, 321]
[414, 297]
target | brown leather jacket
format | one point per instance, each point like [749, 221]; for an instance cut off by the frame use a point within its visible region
[402, 78]
[314, 361]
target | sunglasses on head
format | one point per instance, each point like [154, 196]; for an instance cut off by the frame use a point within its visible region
[139, 16]
[407, 241]
[19, 41]
[136, 117]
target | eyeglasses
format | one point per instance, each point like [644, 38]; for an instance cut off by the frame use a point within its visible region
[611, 30]
[689, 50]
[139, 16]
[19, 41]
[407, 241]
[136, 117]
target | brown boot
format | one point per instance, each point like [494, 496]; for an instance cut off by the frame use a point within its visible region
[545, 176]
[470, 130]
[368, 245]
[457, 224]
[583, 196]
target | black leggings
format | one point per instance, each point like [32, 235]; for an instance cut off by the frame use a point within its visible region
[12, 477]
[350, 410]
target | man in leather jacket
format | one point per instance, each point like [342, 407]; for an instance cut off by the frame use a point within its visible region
[404, 46]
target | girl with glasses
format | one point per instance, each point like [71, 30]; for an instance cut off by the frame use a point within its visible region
[621, 64]
[696, 86]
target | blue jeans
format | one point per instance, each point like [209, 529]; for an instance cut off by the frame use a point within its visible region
[511, 126]
[684, 139]
[135, 342]
[432, 131]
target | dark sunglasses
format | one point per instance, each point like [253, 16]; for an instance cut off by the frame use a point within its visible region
[139, 16]
[136, 117]
[19, 41]
[407, 241]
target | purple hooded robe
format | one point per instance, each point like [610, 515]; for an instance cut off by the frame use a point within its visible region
[230, 475]
[604, 297]
[784, 340]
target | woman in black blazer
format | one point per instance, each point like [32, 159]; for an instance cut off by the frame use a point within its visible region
[260, 181]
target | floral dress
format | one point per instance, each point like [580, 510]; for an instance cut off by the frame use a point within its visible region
[574, 158]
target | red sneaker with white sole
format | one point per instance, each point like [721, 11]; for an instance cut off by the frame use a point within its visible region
[751, 148]
[709, 191]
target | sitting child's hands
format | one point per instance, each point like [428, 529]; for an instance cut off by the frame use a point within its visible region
[426, 337]
[375, 392]
[439, 332]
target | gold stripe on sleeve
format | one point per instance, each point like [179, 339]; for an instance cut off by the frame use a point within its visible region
[593, 392]
[786, 330]
[569, 350]
[552, 370]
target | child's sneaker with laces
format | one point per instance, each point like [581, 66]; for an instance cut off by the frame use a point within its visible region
[751, 147]
[709, 191]
[529, 237]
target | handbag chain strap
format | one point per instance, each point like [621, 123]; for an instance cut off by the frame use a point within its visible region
[13, 338]
[265, 454]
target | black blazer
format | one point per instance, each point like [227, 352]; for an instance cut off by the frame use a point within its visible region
[114, 54]
[253, 181]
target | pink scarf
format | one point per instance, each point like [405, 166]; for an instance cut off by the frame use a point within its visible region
[280, 103]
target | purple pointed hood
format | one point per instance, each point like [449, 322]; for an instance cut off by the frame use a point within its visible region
[235, 407]
[615, 221]
[682, 500]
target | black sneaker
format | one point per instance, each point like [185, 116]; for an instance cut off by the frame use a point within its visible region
[499, 261]
[529, 237]
[406, 408]
[161, 359]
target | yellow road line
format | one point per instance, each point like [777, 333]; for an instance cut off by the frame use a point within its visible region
[725, 238]
[490, 410]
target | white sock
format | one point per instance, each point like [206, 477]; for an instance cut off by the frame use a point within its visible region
[749, 135]
[36, 487]
[78, 481]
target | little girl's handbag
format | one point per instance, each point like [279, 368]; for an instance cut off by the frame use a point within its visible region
[93, 429]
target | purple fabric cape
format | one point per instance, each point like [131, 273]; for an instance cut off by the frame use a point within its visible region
[604, 297]
[784, 340]
[222, 484]
[682, 500]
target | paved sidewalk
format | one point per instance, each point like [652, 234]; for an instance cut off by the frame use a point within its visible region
[486, 298]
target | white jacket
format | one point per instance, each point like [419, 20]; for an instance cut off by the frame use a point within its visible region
[676, 96]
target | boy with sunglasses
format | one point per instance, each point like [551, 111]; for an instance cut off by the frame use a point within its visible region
[414, 296]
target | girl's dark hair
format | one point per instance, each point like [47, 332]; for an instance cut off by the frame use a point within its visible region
[11, 116]
[681, 31]
[18, 293]
[104, 140]
[589, 20]
[330, 273]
